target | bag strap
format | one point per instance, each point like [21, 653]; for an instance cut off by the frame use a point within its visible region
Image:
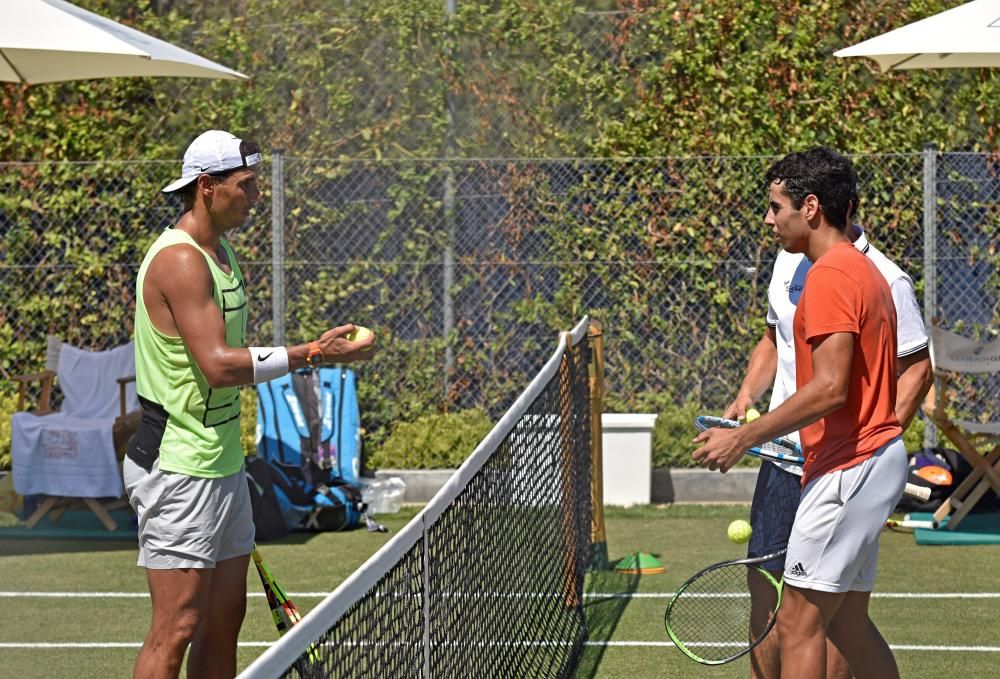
[294, 491]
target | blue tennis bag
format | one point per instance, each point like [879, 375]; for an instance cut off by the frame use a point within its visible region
[310, 417]
[309, 450]
[283, 501]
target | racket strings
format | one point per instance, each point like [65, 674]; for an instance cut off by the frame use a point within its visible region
[712, 615]
[772, 448]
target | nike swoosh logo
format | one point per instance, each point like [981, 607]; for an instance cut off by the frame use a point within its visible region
[265, 356]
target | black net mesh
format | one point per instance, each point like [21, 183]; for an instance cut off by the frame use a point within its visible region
[495, 586]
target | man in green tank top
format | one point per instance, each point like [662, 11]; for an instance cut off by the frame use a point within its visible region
[184, 472]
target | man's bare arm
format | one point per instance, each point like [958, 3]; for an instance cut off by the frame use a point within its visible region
[914, 380]
[761, 369]
[179, 279]
[825, 392]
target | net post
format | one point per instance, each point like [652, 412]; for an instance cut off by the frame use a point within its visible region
[425, 559]
[572, 596]
[598, 536]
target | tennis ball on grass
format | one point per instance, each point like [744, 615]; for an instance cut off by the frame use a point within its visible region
[359, 333]
[739, 531]
[751, 415]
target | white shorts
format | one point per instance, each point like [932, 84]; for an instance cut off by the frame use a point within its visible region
[834, 542]
[186, 521]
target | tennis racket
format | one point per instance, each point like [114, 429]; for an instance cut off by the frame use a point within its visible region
[786, 453]
[283, 611]
[708, 619]
[910, 524]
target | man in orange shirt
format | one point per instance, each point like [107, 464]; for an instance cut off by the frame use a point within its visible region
[844, 407]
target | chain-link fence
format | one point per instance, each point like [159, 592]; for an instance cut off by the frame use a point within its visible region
[467, 268]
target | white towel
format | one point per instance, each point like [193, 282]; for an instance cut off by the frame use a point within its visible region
[89, 381]
[71, 453]
[61, 455]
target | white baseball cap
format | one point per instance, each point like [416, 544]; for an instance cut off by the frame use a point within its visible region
[212, 152]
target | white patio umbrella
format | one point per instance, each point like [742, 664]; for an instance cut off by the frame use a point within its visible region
[51, 40]
[962, 37]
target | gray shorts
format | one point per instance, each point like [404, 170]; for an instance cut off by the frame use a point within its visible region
[834, 542]
[186, 521]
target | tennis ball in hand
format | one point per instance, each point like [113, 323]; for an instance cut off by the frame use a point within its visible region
[739, 531]
[751, 415]
[359, 333]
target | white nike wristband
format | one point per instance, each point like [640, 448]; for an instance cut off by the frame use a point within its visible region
[268, 363]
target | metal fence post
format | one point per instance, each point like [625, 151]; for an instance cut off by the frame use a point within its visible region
[278, 246]
[930, 257]
[448, 276]
[448, 259]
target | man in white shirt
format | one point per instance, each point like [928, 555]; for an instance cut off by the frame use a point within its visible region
[772, 362]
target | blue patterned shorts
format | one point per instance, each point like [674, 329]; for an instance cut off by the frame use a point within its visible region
[772, 513]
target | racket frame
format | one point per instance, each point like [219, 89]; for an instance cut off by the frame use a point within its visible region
[791, 461]
[754, 562]
[278, 602]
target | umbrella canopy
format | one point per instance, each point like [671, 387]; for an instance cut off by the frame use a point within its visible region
[963, 37]
[50, 40]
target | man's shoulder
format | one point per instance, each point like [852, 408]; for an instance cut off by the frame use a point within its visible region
[847, 266]
[176, 260]
[841, 258]
[787, 263]
[888, 268]
[179, 252]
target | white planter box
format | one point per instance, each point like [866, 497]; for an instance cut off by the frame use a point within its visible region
[627, 450]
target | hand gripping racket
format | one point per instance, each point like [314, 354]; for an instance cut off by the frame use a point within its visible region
[787, 454]
[708, 619]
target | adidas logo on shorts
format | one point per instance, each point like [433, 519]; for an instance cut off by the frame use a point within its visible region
[798, 571]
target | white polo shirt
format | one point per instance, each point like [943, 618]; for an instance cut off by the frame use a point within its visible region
[787, 280]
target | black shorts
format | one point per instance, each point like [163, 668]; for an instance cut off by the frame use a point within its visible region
[772, 513]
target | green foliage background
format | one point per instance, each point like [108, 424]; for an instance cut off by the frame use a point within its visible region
[535, 79]
[433, 441]
[399, 85]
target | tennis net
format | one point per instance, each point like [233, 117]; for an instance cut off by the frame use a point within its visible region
[487, 581]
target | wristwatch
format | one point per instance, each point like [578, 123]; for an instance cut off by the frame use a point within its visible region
[315, 356]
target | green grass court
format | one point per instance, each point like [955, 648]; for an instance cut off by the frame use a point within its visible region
[96, 631]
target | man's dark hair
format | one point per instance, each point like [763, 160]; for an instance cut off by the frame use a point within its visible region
[247, 148]
[824, 173]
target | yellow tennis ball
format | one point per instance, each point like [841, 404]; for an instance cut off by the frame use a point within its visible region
[752, 415]
[359, 333]
[739, 531]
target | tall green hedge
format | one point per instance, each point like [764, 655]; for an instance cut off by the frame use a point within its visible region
[524, 79]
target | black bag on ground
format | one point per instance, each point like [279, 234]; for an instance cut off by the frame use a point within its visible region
[279, 505]
[284, 501]
[336, 503]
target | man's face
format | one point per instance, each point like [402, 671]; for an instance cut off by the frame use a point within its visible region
[786, 222]
[234, 196]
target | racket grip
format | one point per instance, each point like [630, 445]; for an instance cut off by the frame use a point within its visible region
[909, 523]
[921, 493]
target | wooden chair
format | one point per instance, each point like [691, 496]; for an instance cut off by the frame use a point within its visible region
[50, 446]
[955, 357]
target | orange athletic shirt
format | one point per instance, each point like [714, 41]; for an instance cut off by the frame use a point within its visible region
[844, 292]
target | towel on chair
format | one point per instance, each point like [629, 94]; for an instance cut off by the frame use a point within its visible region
[62, 455]
[71, 452]
[89, 381]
